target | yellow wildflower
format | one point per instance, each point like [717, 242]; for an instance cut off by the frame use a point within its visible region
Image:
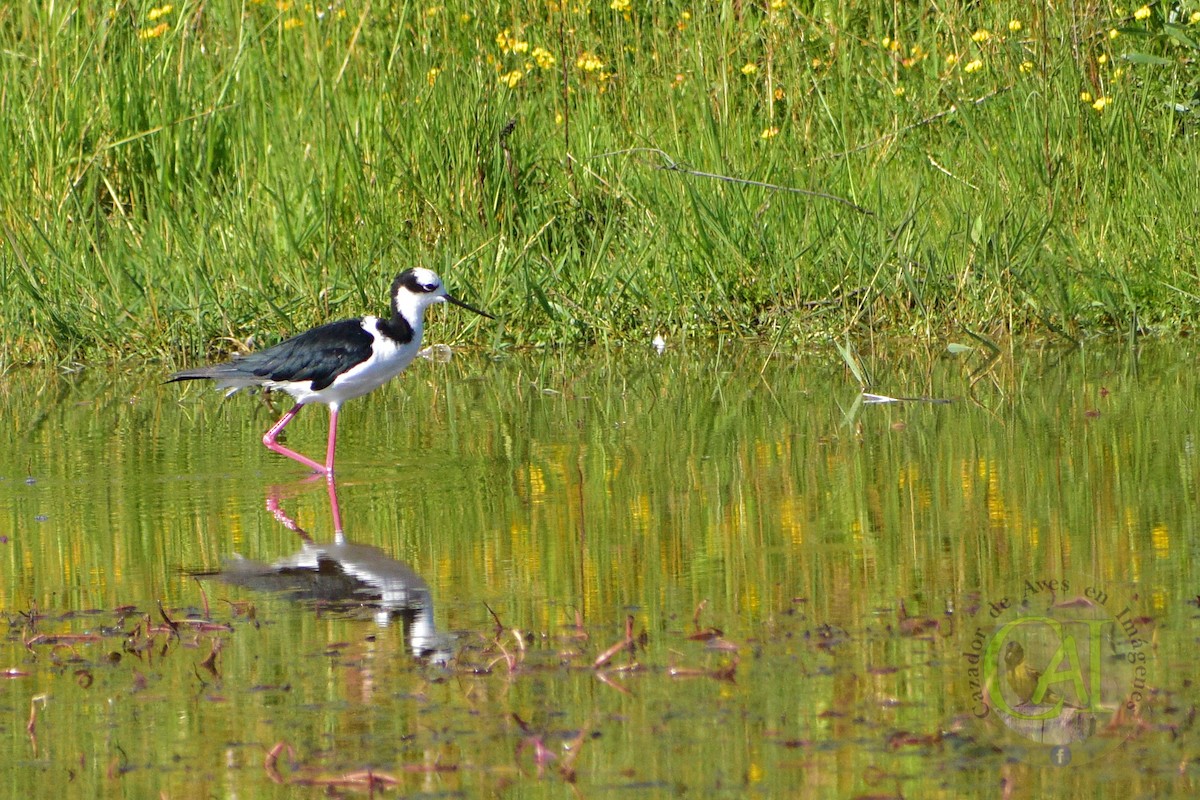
[769, 133]
[981, 35]
[283, 5]
[780, 94]
[621, 6]
[916, 56]
[1118, 72]
[1085, 97]
[1194, 18]
[898, 91]
[543, 57]
[951, 60]
[1142, 13]
[778, 5]
[1101, 103]
[816, 62]
[502, 40]
[558, 118]
[1015, 25]
[292, 22]
[588, 62]
[973, 66]
[686, 15]
[520, 47]
[464, 18]
[1102, 58]
[511, 79]
[433, 11]
[431, 76]
[161, 11]
[749, 68]
[1026, 66]
[1113, 33]
[155, 32]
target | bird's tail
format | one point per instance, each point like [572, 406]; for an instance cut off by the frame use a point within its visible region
[227, 376]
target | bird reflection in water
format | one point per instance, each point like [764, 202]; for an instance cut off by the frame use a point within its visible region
[345, 577]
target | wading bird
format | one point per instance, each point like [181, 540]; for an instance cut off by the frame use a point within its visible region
[338, 361]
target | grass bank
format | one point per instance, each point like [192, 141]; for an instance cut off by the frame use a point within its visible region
[184, 177]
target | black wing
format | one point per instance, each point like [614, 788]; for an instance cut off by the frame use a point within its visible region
[318, 355]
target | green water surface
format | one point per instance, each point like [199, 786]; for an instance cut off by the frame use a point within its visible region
[803, 573]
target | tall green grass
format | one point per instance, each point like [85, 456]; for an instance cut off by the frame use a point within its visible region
[187, 180]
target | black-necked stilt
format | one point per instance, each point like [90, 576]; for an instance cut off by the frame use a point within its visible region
[338, 361]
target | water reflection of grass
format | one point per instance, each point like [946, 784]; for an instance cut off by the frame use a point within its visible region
[186, 172]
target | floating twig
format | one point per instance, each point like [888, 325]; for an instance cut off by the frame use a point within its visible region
[170, 622]
[203, 597]
[627, 642]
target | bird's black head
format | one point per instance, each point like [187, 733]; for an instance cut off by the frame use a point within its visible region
[416, 289]
[417, 280]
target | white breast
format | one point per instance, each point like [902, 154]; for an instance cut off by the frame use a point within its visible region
[388, 359]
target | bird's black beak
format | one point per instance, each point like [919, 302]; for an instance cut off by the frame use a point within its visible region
[452, 299]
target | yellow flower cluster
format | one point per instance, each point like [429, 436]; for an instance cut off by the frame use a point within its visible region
[510, 44]
[155, 32]
[1098, 103]
[588, 62]
[161, 11]
[543, 57]
[1142, 13]
[915, 56]
[621, 6]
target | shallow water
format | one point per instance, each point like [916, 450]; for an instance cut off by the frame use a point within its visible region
[805, 575]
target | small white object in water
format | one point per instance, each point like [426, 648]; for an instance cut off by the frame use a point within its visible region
[659, 343]
[437, 353]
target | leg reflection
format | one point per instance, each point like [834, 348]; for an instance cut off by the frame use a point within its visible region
[346, 578]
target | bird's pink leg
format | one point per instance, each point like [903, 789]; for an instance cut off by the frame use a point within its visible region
[332, 446]
[277, 428]
[335, 509]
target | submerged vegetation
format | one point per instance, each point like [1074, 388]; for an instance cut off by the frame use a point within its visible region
[187, 177]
